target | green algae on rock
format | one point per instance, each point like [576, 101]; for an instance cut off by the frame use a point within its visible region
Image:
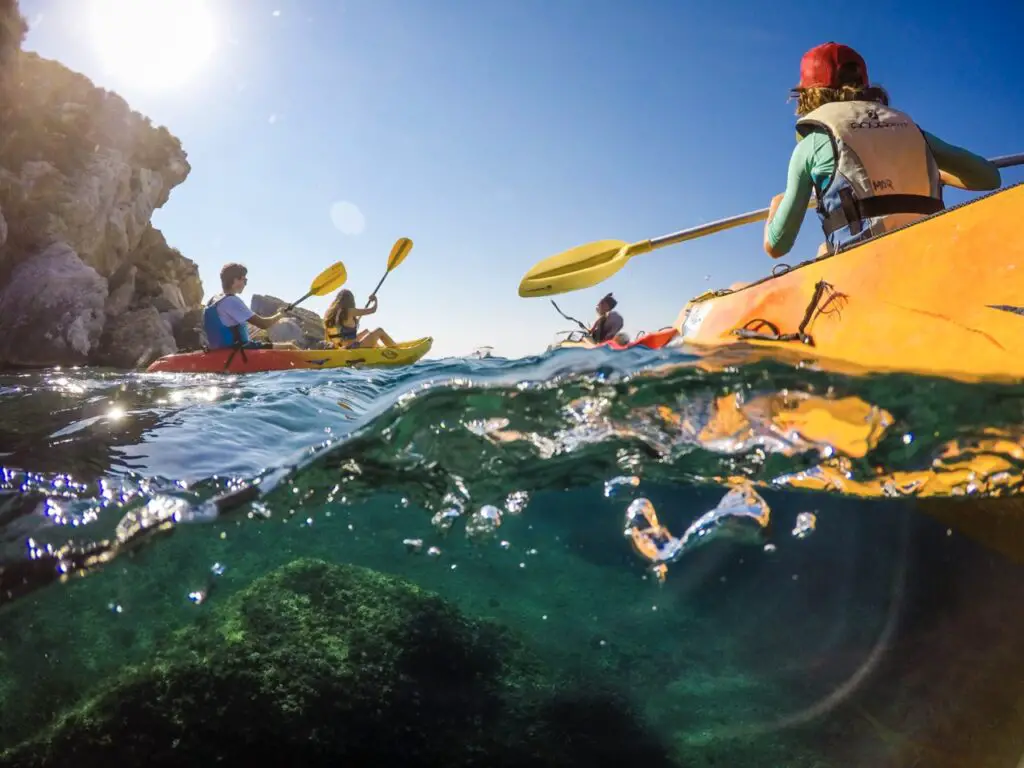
[322, 664]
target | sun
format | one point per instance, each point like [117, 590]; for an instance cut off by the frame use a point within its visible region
[152, 43]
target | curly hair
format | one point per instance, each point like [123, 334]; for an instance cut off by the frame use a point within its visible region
[809, 99]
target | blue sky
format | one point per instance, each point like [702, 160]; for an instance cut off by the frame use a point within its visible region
[495, 134]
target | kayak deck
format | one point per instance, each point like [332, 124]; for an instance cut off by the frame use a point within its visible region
[264, 360]
[943, 296]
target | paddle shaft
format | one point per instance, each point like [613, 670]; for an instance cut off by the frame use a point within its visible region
[297, 302]
[378, 287]
[578, 322]
[1005, 161]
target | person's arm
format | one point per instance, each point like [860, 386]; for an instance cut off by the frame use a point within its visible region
[237, 313]
[370, 308]
[265, 322]
[960, 168]
[788, 209]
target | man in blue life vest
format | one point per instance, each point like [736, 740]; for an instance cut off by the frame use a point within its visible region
[226, 316]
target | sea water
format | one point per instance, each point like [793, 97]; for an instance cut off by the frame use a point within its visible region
[716, 565]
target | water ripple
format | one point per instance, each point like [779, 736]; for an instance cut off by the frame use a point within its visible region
[94, 462]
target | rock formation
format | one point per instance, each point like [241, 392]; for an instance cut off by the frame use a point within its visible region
[304, 327]
[84, 276]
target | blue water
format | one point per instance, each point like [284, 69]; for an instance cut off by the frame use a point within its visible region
[743, 551]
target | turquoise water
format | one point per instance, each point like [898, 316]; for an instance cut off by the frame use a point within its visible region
[644, 527]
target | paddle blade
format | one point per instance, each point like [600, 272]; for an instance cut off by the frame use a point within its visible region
[331, 279]
[399, 251]
[577, 268]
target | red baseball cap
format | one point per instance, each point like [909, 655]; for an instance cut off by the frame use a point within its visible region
[820, 67]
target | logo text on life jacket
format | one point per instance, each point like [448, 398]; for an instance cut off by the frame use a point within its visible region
[873, 121]
[878, 184]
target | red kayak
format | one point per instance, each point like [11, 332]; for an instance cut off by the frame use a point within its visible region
[653, 340]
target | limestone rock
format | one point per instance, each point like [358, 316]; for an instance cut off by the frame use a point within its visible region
[172, 318]
[12, 32]
[81, 172]
[135, 339]
[121, 290]
[77, 164]
[161, 266]
[172, 294]
[310, 323]
[287, 330]
[189, 333]
[51, 310]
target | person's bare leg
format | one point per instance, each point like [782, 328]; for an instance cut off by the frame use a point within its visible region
[372, 338]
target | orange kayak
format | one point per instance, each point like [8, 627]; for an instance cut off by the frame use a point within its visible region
[943, 296]
[263, 360]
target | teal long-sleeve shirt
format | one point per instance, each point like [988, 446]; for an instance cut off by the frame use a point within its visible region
[813, 163]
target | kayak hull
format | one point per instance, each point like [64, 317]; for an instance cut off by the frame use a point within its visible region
[943, 296]
[264, 360]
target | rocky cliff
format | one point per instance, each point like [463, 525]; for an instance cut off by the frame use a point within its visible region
[84, 276]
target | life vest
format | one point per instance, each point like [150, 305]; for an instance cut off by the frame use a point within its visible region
[219, 335]
[606, 327]
[340, 333]
[885, 174]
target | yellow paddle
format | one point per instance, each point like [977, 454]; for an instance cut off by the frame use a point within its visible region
[398, 253]
[331, 279]
[590, 264]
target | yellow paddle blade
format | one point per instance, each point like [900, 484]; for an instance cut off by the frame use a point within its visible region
[399, 251]
[331, 279]
[579, 267]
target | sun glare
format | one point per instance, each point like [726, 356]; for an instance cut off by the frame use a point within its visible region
[152, 43]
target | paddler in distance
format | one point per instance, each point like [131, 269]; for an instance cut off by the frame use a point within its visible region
[608, 324]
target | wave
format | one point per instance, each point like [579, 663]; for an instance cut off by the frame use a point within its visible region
[97, 463]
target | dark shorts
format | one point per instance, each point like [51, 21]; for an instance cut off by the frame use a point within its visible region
[259, 345]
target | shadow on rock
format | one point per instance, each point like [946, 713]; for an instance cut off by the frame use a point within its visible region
[318, 664]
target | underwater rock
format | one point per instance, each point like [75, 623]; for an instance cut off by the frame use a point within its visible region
[317, 664]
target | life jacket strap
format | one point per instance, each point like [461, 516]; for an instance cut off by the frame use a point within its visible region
[853, 212]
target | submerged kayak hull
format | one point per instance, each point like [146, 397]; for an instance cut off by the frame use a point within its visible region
[263, 360]
[943, 296]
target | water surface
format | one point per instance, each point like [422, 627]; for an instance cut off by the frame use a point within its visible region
[775, 565]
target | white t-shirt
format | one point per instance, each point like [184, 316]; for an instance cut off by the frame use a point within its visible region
[232, 311]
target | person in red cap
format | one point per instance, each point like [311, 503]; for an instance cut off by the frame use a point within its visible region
[871, 168]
